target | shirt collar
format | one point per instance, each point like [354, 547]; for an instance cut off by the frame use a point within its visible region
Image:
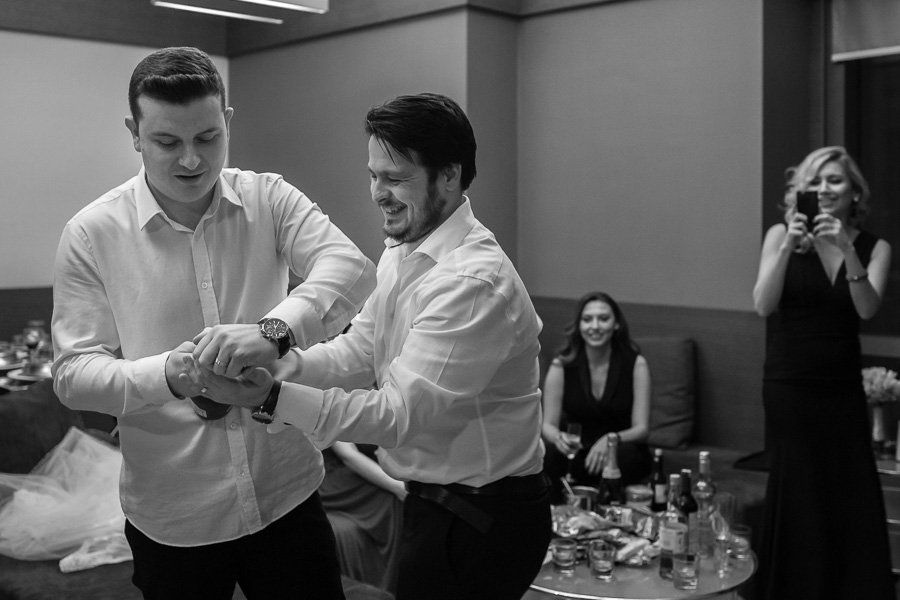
[148, 207]
[445, 238]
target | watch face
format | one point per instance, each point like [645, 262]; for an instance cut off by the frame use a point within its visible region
[274, 328]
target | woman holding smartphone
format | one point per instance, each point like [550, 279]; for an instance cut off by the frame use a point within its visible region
[824, 533]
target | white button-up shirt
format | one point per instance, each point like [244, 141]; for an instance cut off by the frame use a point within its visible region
[131, 285]
[449, 339]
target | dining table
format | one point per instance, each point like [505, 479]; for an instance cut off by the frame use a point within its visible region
[639, 583]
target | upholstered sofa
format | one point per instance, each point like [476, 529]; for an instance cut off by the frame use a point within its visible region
[672, 417]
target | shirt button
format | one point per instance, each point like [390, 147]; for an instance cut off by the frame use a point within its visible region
[204, 285]
[233, 425]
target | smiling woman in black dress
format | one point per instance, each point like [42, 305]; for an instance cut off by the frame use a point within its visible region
[601, 381]
[824, 533]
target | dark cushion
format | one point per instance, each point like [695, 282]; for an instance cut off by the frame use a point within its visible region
[673, 400]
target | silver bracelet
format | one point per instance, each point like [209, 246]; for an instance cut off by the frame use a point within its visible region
[858, 278]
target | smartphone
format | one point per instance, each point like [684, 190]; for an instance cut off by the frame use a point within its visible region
[808, 204]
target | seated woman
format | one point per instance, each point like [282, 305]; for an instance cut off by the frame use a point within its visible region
[601, 381]
[365, 507]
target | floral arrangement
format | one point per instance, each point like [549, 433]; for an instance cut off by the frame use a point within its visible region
[881, 385]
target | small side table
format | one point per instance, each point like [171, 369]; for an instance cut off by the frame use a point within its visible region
[638, 583]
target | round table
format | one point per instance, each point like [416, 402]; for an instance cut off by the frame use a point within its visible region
[641, 583]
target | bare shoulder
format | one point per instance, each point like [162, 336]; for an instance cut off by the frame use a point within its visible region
[775, 235]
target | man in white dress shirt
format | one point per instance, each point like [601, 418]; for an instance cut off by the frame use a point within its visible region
[450, 337]
[189, 248]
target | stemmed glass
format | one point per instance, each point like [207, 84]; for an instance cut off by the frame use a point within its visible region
[33, 338]
[573, 437]
[721, 518]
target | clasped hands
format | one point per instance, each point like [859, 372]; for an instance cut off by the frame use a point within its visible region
[826, 227]
[223, 363]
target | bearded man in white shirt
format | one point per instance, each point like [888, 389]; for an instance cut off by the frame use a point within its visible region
[450, 337]
[185, 248]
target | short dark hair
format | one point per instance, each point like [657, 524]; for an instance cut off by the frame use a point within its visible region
[431, 125]
[175, 75]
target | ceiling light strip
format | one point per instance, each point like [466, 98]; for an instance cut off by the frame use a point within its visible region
[220, 13]
[309, 7]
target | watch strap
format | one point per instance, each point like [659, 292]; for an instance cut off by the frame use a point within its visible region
[265, 413]
[284, 344]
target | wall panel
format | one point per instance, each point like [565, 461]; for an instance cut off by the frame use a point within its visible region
[640, 151]
[63, 104]
[300, 109]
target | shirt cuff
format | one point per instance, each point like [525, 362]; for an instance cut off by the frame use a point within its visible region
[149, 376]
[299, 406]
[304, 320]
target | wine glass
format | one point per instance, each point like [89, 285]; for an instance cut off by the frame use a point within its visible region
[573, 437]
[33, 335]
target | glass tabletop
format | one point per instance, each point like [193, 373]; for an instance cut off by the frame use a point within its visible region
[640, 583]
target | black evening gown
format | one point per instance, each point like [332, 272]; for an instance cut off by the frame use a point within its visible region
[824, 532]
[611, 412]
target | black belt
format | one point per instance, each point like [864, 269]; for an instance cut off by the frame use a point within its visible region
[448, 495]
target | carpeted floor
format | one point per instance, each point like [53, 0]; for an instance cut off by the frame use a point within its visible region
[42, 580]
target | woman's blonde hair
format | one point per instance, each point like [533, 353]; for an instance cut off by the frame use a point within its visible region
[799, 177]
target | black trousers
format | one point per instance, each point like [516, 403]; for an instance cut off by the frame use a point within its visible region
[442, 557]
[295, 557]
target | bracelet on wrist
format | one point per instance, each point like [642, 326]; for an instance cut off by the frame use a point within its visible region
[858, 278]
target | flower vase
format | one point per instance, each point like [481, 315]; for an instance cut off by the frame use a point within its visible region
[878, 429]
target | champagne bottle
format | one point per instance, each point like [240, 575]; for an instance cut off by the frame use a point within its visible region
[672, 529]
[612, 490]
[704, 491]
[658, 483]
[688, 506]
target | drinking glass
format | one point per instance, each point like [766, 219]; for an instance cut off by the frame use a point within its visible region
[740, 542]
[724, 504]
[602, 557]
[573, 436]
[720, 556]
[564, 552]
[685, 571]
[720, 520]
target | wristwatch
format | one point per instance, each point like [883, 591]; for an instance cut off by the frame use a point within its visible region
[279, 332]
[265, 413]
